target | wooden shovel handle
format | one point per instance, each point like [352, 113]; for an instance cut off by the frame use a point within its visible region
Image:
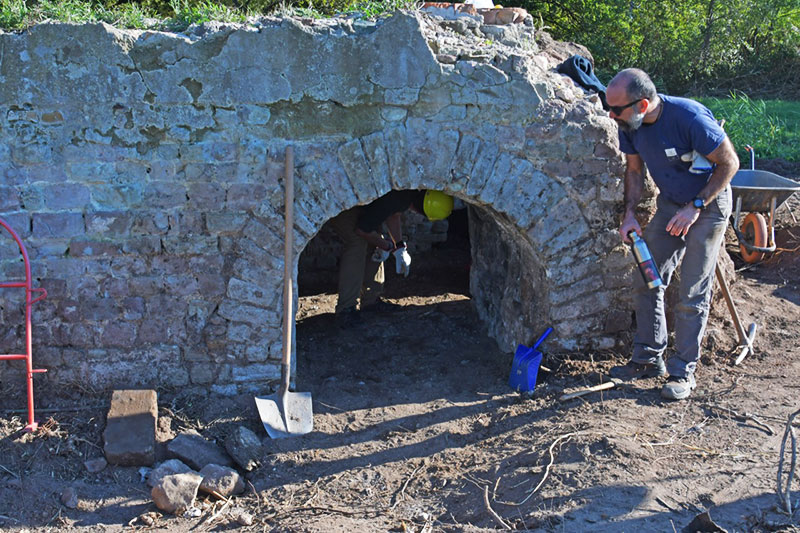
[288, 315]
[603, 386]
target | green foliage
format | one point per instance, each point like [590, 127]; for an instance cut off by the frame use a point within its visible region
[177, 15]
[186, 13]
[771, 127]
[687, 44]
[375, 8]
[368, 8]
[13, 14]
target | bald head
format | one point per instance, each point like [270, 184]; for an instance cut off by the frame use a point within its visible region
[636, 84]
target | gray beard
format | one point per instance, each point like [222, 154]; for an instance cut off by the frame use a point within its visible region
[633, 123]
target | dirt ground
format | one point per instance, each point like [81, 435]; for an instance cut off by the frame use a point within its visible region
[416, 429]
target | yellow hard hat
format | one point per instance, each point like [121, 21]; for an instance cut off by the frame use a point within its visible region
[437, 205]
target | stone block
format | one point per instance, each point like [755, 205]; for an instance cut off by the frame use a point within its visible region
[245, 448]
[248, 314]
[119, 334]
[206, 196]
[165, 195]
[226, 222]
[91, 248]
[175, 493]
[57, 225]
[190, 244]
[244, 196]
[197, 452]
[63, 196]
[354, 161]
[108, 224]
[130, 433]
[221, 480]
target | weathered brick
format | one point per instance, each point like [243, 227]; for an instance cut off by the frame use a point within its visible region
[57, 225]
[130, 433]
[165, 194]
[190, 245]
[207, 196]
[244, 196]
[119, 334]
[226, 222]
[66, 196]
[81, 247]
[9, 200]
[109, 224]
[99, 309]
[144, 245]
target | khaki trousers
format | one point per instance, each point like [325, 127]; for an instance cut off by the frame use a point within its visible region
[359, 276]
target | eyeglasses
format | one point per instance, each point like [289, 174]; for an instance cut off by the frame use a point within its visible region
[618, 109]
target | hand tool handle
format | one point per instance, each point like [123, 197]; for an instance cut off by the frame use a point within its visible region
[603, 386]
[288, 315]
[543, 337]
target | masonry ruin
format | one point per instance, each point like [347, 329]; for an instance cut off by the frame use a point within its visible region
[143, 171]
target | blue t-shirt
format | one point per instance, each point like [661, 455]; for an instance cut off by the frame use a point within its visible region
[684, 126]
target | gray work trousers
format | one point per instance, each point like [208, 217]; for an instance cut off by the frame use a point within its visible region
[359, 276]
[697, 255]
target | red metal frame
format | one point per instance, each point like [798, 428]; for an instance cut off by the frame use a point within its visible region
[32, 424]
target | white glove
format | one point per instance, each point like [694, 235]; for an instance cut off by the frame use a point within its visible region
[402, 259]
[380, 255]
[700, 165]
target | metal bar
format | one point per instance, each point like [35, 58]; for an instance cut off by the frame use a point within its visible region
[32, 424]
[771, 241]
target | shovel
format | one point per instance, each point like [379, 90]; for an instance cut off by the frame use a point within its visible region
[525, 366]
[285, 413]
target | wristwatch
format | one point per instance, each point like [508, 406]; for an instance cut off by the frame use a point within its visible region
[699, 203]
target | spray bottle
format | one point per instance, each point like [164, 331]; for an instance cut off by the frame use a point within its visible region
[645, 261]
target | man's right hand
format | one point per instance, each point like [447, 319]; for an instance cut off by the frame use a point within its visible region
[629, 224]
[380, 255]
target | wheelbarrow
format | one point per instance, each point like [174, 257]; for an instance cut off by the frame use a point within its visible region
[757, 192]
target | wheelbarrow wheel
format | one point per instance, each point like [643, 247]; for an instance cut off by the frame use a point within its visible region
[754, 228]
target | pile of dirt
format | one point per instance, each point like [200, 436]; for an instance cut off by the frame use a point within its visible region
[417, 430]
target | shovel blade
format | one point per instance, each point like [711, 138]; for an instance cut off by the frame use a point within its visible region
[286, 415]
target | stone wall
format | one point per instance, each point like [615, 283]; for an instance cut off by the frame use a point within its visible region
[143, 171]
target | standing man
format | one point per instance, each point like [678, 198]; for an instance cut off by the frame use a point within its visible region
[692, 162]
[360, 228]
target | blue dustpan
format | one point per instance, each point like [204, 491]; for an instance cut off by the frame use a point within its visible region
[525, 367]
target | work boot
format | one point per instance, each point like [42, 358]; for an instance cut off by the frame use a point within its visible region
[348, 318]
[381, 306]
[678, 388]
[631, 370]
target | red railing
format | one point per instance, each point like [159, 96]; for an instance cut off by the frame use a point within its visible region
[29, 301]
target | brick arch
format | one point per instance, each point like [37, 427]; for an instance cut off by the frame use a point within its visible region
[533, 218]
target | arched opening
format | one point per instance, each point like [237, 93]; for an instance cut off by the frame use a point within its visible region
[438, 332]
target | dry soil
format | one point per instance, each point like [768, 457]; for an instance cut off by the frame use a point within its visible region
[416, 429]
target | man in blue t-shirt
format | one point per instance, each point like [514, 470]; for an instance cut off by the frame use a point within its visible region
[692, 162]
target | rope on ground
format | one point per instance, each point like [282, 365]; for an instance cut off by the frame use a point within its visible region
[785, 492]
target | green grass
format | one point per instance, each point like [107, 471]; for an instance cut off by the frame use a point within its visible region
[177, 15]
[771, 127]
